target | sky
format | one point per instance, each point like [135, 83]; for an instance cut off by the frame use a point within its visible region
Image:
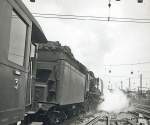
[100, 43]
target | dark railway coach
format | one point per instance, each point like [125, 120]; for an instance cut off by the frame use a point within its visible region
[17, 29]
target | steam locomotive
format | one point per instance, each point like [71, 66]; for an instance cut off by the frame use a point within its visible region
[40, 80]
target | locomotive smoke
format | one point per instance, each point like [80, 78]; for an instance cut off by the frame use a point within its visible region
[115, 102]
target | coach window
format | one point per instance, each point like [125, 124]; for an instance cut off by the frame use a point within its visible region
[17, 39]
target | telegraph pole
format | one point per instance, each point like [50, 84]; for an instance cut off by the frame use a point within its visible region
[121, 87]
[129, 83]
[141, 83]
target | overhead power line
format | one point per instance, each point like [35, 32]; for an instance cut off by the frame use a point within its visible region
[91, 18]
[129, 64]
[72, 18]
[72, 15]
[116, 76]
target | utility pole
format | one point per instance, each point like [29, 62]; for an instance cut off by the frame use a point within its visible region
[102, 86]
[141, 83]
[129, 83]
[121, 87]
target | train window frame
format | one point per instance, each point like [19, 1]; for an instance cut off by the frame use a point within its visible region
[33, 56]
[17, 6]
[10, 55]
[33, 51]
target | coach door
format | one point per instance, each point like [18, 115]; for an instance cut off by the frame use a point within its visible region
[18, 57]
[14, 69]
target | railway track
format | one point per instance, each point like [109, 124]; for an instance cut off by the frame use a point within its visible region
[95, 120]
[143, 109]
[111, 119]
[127, 118]
[105, 118]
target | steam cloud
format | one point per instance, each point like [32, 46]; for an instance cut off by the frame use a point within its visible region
[115, 102]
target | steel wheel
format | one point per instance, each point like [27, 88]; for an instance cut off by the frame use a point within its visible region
[55, 118]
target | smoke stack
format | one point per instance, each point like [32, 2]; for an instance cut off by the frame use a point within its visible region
[102, 86]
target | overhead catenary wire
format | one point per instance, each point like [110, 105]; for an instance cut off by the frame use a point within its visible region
[66, 18]
[72, 18]
[67, 15]
[123, 76]
[73, 15]
[110, 19]
[90, 18]
[129, 64]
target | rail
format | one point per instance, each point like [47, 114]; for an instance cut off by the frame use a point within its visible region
[108, 121]
[96, 119]
[130, 118]
[93, 121]
[143, 109]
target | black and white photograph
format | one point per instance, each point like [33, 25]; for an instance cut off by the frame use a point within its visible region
[74, 62]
